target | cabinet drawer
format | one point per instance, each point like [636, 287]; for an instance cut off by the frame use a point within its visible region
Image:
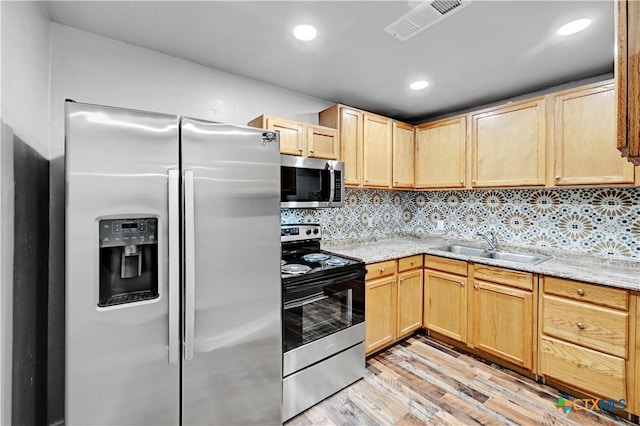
[381, 269]
[577, 290]
[508, 277]
[408, 263]
[458, 267]
[582, 368]
[588, 325]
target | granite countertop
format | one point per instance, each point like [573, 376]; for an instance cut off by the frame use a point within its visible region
[572, 265]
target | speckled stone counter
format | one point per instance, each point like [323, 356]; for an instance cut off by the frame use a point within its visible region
[572, 265]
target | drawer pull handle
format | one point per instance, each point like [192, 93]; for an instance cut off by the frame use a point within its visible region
[580, 326]
[581, 292]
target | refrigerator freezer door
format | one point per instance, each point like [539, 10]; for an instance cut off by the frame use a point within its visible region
[235, 375]
[118, 368]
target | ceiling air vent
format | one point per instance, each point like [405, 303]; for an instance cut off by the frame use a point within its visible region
[423, 16]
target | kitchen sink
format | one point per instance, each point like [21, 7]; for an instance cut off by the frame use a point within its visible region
[467, 251]
[529, 259]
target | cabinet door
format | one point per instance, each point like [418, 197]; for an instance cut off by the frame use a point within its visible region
[445, 304]
[377, 151]
[584, 138]
[403, 155]
[380, 313]
[351, 128]
[291, 135]
[409, 302]
[508, 145]
[628, 79]
[322, 142]
[441, 154]
[503, 322]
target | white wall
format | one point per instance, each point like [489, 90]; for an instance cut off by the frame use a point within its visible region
[24, 113]
[93, 69]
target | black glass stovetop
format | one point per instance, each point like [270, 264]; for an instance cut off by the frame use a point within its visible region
[301, 262]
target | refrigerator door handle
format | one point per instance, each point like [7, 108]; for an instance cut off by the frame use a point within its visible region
[189, 265]
[174, 265]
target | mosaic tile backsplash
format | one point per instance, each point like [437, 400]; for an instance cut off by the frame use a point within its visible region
[604, 222]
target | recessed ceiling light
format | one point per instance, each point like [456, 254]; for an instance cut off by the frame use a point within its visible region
[574, 26]
[305, 32]
[419, 85]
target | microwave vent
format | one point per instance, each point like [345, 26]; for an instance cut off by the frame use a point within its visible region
[423, 16]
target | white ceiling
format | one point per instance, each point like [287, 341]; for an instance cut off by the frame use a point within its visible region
[488, 51]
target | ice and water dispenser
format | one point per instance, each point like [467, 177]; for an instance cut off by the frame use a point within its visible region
[128, 261]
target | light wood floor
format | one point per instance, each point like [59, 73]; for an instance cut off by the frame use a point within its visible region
[423, 381]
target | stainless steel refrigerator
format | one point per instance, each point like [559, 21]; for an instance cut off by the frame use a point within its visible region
[173, 294]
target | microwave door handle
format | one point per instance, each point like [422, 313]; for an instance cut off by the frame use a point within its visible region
[332, 185]
[174, 265]
[190, 265]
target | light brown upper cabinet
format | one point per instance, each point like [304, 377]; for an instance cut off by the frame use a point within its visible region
[366, 141]
[584, 137]
[303, 139]
[377, 143]
[403, 154]
[508, 145]
[628, 79]
[441, 153]
[348, 121]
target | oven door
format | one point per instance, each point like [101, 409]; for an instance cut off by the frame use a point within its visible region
[319, 308]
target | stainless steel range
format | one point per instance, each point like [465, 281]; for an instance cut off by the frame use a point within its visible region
[323, 319]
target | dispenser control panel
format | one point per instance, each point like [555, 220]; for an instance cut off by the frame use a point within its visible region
[123, 232]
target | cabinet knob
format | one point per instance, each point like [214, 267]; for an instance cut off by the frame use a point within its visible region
[311, 151]
[475, 286]
[580, 292]
[462, 283]
[557, 177]
[381, 270]
[401, 280]
[473, 181]
[580, 326]
[396, 182]
[413, 262]
[461, 182]
[366, 181]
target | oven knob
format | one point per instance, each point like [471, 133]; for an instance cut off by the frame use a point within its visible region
[315, 231]
[308, 231]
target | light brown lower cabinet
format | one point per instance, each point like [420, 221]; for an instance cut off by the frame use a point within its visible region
[503, 315]
[393, 301]
[585, 334]
[445, 304]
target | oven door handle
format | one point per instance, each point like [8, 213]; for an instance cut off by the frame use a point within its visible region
[300, 288]
[301, 302]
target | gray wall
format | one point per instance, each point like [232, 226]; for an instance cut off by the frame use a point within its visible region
[24, 211]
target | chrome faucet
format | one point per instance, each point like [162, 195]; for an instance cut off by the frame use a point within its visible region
[491, 238]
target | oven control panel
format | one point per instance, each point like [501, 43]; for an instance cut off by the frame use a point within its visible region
[300, 231]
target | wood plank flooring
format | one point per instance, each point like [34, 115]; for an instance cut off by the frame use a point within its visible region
[424, 381]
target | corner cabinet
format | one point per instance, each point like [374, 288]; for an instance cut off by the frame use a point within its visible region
[441, 153]
[508, 145]
[403, 155]
[627, 74]
[377, 151]
[584, 138]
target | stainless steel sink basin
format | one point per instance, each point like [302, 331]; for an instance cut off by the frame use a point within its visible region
[464, 250]
[529, 259]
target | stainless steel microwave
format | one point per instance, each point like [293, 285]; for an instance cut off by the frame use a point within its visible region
[311, 182]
